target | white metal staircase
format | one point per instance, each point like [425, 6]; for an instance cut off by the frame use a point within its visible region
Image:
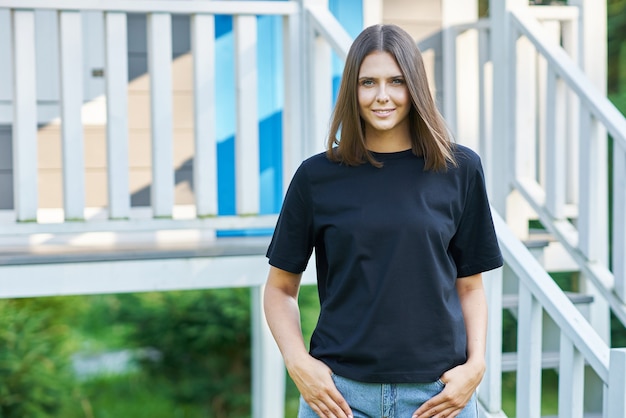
[534, 106]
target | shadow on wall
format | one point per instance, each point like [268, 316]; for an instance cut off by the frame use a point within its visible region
[270, 128]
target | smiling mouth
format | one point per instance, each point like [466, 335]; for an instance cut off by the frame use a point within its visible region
[383, 112]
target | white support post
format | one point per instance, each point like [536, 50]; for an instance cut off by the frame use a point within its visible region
[247, 131]
[24, 116]
[569, 32]
[571, 380]
[490, 390]
[293, 121]
[526, 108]
[116, 74]
[268, 369]
[592, 220]
[71, 83]
[555, 145]
[616, 399]
[321, 70]
[460, 88]
[205, 159]
[504, 96]
[485, 103]
[529, 330]
[160, 69]
[619, 219]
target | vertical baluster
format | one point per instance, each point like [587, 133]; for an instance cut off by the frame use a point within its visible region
[449, 44]
[569, 30]
[268, 369]
[116, 73]
[616, 397]
[484, 103]
[160, 69]
[293, 122]
[571, 380]
[247, 130]
[24, 116]
[619, 219]
[529, 329]
[321, 71]
[490, 391]
[205, 158]
[592, 213]
[555, 145]
[71, 83]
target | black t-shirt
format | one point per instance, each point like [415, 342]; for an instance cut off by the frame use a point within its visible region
[389, 245]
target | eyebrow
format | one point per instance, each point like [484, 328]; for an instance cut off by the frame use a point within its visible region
[388, 78]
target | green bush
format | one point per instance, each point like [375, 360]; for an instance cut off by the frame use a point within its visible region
[35, 374]
[203, 343]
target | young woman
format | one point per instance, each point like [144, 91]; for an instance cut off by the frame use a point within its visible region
[400, 223]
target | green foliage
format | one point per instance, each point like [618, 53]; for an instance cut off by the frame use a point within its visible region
[133, 395]
[203, 341]
[35, 374]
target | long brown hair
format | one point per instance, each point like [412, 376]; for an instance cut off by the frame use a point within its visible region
[429, 134]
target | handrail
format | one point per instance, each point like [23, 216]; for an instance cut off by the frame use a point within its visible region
[552, 299]
[162, 6]
[327, 26]
[598, 105]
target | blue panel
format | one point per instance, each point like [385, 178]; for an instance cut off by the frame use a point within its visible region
[270, 104]
[350, 14]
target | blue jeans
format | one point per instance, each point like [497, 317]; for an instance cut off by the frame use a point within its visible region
[398, 400]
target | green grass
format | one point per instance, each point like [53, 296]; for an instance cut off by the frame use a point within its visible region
[128, 395]
[549, 393]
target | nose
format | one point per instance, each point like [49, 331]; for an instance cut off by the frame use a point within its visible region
[382, 96]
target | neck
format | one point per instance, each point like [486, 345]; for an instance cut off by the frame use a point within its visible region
[387, 141]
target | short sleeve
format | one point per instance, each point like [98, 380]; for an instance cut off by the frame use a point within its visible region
[474, 246]
[293, 239]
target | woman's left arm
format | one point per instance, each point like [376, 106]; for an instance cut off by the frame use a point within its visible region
[461, 381]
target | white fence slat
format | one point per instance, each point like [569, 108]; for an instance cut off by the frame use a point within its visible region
[526, 108]
[529, 330]
[449, 63]
[555, 145]
[71, 72]
[616, 404]
[293, 123]
[247, 132]
[6, 70]
[321, 72]
[24, 115]
[116, 77]
[205, 158]
[160, 69]
[490, 390]
[593, 189]
[163, 6]
[571, 380]
[268, 369]
[570, 34]
[619, 220]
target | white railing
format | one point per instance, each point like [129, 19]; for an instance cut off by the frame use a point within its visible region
[28, 217]
[28, 224]
[586, 238]
[309, 36]
[580, 344]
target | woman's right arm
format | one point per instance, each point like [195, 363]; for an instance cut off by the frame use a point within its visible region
[311, 376]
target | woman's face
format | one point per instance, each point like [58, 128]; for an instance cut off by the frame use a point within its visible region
[384, 101]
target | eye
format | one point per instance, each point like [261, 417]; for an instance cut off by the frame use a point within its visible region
[367, 82]
[397, 81]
